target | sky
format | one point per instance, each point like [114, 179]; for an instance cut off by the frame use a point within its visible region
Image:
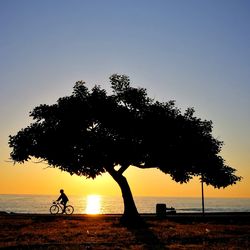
[196, 52]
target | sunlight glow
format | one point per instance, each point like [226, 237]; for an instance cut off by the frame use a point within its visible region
[93, 204]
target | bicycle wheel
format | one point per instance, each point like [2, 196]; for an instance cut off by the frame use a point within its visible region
[54, 209]
[69, 209]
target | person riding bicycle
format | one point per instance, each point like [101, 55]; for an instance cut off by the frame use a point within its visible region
[64, 199]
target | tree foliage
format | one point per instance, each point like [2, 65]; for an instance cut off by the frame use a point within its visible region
[91, 132]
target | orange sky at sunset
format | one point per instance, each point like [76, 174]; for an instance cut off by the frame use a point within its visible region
[194, 52]
[32, 178]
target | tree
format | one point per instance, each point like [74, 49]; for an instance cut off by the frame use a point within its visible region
[90, 132]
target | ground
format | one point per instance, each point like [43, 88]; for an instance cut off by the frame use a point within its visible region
[26, 231]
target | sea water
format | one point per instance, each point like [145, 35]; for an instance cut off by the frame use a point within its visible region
[98, 204]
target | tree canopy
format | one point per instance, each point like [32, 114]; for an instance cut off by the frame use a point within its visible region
[92, 132]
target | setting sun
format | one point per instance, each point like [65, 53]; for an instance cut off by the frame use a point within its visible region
[93, 204]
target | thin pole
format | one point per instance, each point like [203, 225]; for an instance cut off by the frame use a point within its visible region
[202, 196]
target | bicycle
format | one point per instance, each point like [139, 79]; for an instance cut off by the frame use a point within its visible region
[57, 206]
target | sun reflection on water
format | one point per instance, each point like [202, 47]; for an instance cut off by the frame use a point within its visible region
[93, 204]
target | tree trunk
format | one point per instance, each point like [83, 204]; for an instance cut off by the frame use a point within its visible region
[130, 215]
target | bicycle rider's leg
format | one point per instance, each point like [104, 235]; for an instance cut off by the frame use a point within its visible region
[64, 206]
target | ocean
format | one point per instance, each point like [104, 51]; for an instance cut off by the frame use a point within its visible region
[98, 204]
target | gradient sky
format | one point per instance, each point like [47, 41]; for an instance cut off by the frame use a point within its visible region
[196, 52]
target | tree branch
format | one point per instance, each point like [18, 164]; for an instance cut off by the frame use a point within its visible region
[122, 169]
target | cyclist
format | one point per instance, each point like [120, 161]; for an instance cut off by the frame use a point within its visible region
[64, 199]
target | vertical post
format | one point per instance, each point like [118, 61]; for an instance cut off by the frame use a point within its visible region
[202, 196]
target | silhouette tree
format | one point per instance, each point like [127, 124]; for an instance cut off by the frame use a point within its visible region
[90, 132]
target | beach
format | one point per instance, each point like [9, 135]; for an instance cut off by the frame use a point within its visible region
[180, 231]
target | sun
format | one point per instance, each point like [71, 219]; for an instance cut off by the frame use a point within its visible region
[93, 204]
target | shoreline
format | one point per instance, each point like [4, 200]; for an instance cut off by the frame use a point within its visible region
[215, 216]
[142, 214]
[219, 216]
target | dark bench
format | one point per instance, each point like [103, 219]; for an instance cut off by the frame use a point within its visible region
[162, 210]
